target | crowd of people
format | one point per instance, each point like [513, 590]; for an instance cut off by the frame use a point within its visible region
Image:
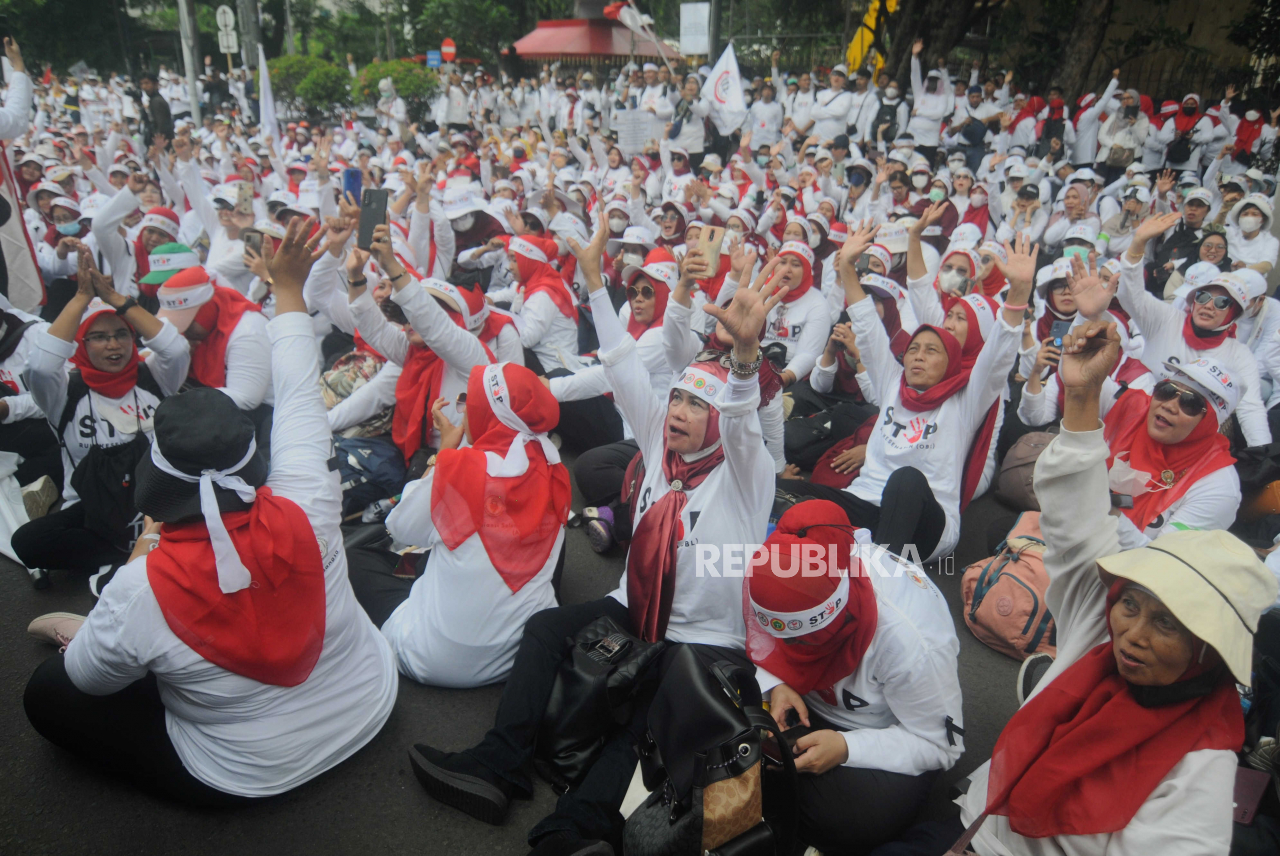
[298, 453]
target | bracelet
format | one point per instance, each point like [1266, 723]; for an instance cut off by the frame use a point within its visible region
[359, 282]
[1012, 308]
[397, 276]
[745, 370]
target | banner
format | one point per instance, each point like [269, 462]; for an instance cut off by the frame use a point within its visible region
[20, 277]
[695, 28]
[268, 126]
[724, 90]
[634, 128]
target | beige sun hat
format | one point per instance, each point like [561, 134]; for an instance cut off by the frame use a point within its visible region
[1211, 581]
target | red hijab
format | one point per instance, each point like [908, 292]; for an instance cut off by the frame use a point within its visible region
[779, 602]
[1247, 133]
[978, 215]
[519, 504]
[157, 218]
[271, 631]
[1182, 121]
[537, 275]
[651, 561]
[219, 316]
[1205, 450]
[1082, 755]
[108, 384]
[805, 255]
[660, 271]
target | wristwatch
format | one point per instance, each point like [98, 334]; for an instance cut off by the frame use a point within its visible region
[128, 304]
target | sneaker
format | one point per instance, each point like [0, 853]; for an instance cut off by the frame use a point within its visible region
[56, 628]
[459, 781]
[39, 497]
[1033, 669]
[99, 581]
[565, 846]
[40, 578]
[599, 527]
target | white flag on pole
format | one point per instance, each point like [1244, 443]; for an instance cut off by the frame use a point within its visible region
[269, 127]
[724, 90]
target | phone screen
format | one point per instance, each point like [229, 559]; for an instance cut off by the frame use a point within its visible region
[373, 212]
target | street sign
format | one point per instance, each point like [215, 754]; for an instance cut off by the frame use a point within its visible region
[433, 59]
[228, 42]
[448, 50]
[226, 19]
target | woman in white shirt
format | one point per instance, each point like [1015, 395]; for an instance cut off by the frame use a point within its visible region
[459, 623]
[862, 656]
[166, 683]
[707, 482]
[1127, 744]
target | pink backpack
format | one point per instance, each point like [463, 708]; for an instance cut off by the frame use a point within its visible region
[1004, 602]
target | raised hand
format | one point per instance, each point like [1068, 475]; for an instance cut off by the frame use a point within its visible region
[856, 244]
[1020, 269]
[1165, 182]
[917, 46]
[931, 215]
[590, 256]
[745, 315]
[1150, 228]
[1089, 354]
[450, 435]
[1091, 294]
[291, 265]
[137, 182]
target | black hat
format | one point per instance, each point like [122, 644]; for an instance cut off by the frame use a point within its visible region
[201, 429]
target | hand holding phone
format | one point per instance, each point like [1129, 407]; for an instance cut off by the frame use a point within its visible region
[373, 212]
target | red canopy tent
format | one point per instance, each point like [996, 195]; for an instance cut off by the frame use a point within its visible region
[581, 38]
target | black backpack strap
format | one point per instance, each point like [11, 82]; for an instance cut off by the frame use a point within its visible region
[76, 390]
[14, 328]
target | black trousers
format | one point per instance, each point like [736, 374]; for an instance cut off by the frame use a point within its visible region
[34, 442]
[933, 838]
[591, 809]
[599, 472]
[849, 811]
[57, 294]
[60, 542]
[819, 421]
[907, 513]
[123, 733]
[588, 423]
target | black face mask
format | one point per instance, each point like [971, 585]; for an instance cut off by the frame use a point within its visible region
[1189, 110]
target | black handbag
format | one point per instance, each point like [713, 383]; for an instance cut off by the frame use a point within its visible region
[703, 761]
[593, 694]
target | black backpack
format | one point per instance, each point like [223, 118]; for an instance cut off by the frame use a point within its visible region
[886, 113]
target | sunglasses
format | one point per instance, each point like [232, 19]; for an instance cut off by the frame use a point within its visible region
[1191, 403]
[1220, 301]
[645, 291]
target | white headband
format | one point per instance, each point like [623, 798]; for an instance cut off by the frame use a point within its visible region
[158, 221]
[185, 298]
[698, 382]
[789, 625]
[516, 462]
[232, 574]
[522, 247]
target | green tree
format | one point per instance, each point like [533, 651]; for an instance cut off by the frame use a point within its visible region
[415, 84]
[481, 28]
[325, 90]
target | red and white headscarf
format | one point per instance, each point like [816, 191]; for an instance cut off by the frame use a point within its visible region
[805, 255]
[166, 221]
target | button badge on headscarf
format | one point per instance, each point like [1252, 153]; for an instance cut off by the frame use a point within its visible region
[232, 574]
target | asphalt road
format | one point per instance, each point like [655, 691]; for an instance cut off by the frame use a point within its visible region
[371, 804]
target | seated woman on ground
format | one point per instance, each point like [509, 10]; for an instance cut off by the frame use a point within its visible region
[864, 657]
[1128, 742]
[227, 661]
[935, 410]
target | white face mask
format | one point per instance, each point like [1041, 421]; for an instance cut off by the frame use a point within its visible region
[633, 259]
[463, 223]
[1250, 223]
[952, 280]
[617, 224]
[1251, 115]
[919, 181]
[891, 92]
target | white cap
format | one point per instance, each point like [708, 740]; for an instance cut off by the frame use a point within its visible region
[1018, 170]
[1209, 378]
[638, 235]
[461, 200]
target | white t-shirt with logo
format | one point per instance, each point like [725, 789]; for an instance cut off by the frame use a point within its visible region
[936, 442]
[802, 326]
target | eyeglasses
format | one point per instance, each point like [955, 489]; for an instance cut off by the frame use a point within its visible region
[645, 291]
[1191, 403]
[670, 216]
[1220, 301]
[121, 336]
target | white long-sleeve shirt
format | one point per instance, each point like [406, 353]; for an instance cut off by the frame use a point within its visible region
[231, 732]
[729, 508]
[1161, 326]
[1085, 149]
[901, 707]
[15, 118]
[936, 442]
[1189, 812]
[930, 107]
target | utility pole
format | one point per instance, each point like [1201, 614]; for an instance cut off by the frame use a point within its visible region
[713, 33]
[190, 50]
[250, 32]
[288, 28]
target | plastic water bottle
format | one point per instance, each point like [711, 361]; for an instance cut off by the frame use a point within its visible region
[378, 511]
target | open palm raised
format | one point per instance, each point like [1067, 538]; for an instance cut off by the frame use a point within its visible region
[745, 315]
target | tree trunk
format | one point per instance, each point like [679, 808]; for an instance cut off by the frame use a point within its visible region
[941, 23]
[1093, 17]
